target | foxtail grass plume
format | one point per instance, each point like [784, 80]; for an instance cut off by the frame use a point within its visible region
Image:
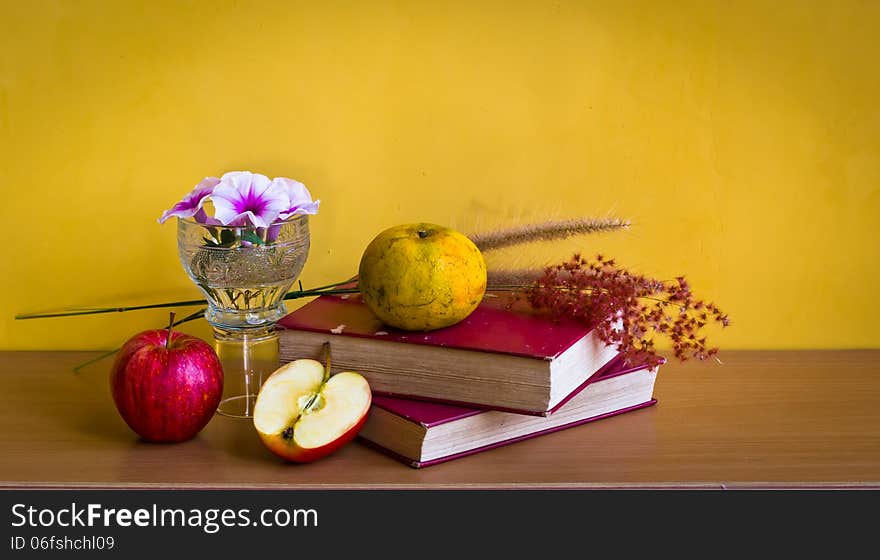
[544, 231]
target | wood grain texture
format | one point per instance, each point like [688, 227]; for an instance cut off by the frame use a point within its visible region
[763, 419]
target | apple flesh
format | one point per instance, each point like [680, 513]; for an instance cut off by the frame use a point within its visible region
[166, 390]
[300, 416]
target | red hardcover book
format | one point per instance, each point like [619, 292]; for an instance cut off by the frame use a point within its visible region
[421, 433]
[503, 356]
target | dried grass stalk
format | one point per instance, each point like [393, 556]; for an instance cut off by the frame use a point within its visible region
[545, 231]
[516, 277]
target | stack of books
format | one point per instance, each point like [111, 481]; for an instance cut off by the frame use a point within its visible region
[502, 375]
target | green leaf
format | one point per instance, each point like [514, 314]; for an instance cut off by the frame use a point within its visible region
[251, 237]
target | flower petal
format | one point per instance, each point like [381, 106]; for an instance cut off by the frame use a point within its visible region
[208, 183]
[296, 191]
[243, 198]
[192, 203]
[300, 200]
[307, 208]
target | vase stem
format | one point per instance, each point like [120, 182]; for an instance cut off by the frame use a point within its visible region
[248, 356]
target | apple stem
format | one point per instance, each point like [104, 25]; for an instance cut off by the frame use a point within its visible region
[170, 326]
[326, 351]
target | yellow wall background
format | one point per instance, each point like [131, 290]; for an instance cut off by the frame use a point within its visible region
[742, 138]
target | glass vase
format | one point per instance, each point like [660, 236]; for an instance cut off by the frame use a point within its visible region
[244, 273]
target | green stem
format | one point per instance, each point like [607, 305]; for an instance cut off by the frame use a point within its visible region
[319, 292]
[328, 286]
[107, 354]
[192, 317]
[322, 290]
[110, 309]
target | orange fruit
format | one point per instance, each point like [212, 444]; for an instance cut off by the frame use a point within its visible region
[422, 277]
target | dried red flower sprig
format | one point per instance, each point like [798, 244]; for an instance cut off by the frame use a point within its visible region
[630, 308]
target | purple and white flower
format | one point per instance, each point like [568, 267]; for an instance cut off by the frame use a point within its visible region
[300, 200]
[243, 198]
[192, 205]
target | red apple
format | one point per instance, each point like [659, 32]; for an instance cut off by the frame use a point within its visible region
[166, 385]
[303, 414]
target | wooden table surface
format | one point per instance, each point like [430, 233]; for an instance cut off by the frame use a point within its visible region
[762, 419]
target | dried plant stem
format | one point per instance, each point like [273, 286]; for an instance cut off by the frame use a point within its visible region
[526, 287]
[516, 277]
[545, 231]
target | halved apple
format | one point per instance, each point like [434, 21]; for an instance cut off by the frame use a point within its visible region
[303, 414]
